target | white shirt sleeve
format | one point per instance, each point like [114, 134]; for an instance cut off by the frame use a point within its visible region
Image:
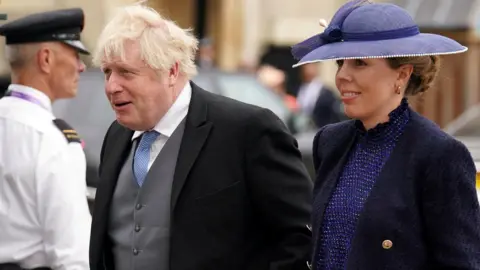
[63, 208]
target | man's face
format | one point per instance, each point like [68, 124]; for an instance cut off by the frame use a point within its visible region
[206, 52]
[66, 71]
[138, 94]
[309, 71]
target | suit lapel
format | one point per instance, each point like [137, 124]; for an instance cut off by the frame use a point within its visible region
[197, 129]
[116, 153]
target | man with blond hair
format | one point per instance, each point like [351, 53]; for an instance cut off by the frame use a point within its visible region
[190, 180]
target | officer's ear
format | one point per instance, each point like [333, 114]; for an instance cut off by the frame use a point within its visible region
[45, 59]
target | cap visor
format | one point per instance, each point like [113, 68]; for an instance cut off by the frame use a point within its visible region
[418, 45]
[77, 45]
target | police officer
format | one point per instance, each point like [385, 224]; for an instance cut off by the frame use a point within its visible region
[44, 216]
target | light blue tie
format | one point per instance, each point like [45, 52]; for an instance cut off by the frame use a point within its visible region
[142, 156]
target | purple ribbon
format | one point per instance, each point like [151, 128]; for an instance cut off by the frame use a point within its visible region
[26, 97]
[382, 35]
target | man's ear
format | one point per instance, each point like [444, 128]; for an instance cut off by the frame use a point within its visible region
[45, 59]
[173, 74]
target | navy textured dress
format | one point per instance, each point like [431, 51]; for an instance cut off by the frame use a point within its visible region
[366, 160]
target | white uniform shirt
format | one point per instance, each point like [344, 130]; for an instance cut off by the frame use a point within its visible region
[167, 125]
[44, 216]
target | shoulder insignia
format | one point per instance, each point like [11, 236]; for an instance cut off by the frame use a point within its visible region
[69, 133]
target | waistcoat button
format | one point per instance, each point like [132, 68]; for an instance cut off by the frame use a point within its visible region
[135, 251]
[137, 228]
[138, 206]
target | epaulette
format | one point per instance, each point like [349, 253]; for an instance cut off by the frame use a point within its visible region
[69, 133]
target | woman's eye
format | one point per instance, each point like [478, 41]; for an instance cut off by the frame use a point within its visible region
[359, 62]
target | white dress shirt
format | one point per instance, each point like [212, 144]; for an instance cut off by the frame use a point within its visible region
[44, 215]
[169, 122]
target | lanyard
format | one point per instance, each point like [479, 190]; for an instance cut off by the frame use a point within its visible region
[26, 97]
[33, 100]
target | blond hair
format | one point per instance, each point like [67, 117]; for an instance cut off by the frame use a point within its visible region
[162, 42]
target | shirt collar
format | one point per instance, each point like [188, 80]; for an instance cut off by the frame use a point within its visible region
[314, 82]
[170, 121]
[35, 93]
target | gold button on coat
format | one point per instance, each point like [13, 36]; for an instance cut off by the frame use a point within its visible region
[387, 244]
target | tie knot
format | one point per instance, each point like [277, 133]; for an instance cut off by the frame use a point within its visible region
[148, 138]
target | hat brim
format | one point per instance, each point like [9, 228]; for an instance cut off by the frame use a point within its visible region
[77, 45]
[418, 45]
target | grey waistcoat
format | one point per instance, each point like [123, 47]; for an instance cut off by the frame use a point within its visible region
[140, 217]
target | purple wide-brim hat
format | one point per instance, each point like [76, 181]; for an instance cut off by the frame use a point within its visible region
[360, 29]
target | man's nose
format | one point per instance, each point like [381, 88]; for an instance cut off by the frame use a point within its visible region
[111, 86]
[81, 66]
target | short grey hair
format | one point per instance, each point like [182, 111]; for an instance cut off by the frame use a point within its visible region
[20, 55]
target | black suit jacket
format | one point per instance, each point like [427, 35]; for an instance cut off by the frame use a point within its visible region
[424, 201]
[241, 195]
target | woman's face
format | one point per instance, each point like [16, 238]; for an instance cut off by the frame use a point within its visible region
[369, 87]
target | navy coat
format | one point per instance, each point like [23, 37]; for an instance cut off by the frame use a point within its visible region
[423, 212]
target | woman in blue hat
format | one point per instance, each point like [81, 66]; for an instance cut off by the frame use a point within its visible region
[392, 191]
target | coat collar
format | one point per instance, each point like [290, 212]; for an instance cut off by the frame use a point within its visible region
[197, 129]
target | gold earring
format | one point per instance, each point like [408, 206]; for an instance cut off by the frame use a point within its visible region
[398, 90]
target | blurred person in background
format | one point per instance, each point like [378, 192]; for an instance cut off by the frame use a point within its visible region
[316, 99]
[189, 179]
[206, 54]
[274, 79]
[247, 66]
[44, 216]
[392, 191]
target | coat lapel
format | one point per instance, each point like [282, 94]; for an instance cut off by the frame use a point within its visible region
[197, 129]
[399, 156]
[115, 155]
[338, 160]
